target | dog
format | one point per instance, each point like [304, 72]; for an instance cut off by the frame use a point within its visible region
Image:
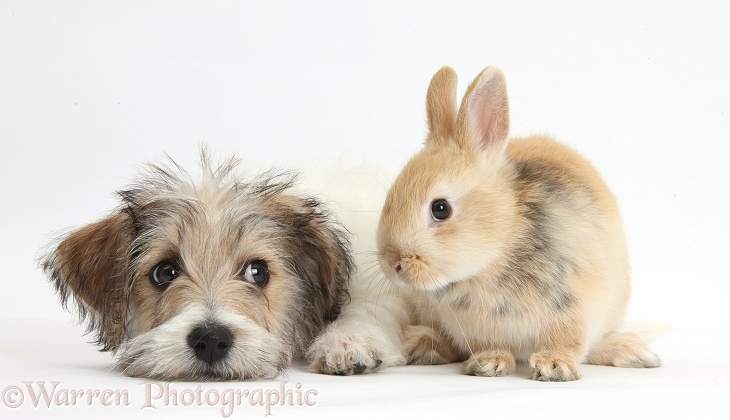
[223, 279]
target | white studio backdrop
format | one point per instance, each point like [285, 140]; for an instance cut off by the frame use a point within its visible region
[91, 89]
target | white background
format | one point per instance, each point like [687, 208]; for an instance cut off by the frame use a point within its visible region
[89, 90]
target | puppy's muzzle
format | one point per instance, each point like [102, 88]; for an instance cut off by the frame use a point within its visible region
[210, 342]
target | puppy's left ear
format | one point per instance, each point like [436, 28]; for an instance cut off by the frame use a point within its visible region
[325, 262]
[91, 264]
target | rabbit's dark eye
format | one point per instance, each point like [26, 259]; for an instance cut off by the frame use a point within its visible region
[164, 273]
[440, 210]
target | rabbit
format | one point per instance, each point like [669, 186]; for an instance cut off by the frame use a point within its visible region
[506, 250]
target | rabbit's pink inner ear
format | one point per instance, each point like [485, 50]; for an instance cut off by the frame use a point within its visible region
[484, 113]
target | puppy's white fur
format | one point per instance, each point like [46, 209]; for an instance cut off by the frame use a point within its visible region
[367, 334]
[160, 352]
[210, 232]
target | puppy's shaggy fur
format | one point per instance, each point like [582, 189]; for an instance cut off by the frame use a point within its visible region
[218, 280]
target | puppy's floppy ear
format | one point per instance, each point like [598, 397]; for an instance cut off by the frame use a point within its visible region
[324, 242]
[90, 264]
[325, 262]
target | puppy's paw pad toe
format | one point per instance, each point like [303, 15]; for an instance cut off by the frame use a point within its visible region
[343, 356]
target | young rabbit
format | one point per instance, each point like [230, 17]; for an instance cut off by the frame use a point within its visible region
[506, 250]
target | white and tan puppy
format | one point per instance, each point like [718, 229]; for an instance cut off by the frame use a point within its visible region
[505, 250]
[223, 279]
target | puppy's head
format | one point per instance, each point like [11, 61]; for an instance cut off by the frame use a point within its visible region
[220, 279]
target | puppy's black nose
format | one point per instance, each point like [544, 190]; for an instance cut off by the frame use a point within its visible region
[210, 342]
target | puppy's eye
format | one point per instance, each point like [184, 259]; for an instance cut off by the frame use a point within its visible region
[256, 273]
[440, 210]
[164, 273]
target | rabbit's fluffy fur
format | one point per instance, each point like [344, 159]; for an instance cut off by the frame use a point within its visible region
[529, 264]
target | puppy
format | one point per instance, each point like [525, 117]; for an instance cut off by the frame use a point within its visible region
[223, 279]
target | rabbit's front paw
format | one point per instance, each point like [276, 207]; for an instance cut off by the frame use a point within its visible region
[424, 346]
[551, 367]
[490, 363]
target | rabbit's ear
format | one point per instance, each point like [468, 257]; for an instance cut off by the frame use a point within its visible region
[441, 105]
[483, 120]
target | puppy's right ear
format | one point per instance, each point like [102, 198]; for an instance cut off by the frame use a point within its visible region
[91, 264]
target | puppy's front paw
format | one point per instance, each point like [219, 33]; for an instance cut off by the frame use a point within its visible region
[334, 353]
[424, 346]
[549, 367]
[490, 363]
